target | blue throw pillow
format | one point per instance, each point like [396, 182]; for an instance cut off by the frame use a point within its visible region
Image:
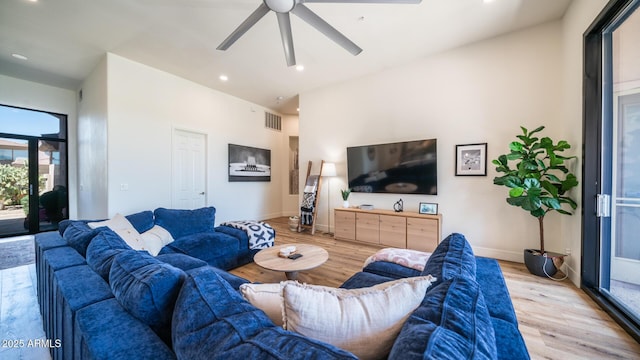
[142, 221]
[181, 223]
[78, 235]
[452, 322]
[147, 288]
[211, 320]
[102, 249]
[452, 258]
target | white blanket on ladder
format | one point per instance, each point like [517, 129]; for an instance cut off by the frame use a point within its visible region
[261, 234]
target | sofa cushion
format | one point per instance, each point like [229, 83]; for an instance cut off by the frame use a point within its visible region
[364, 279]
[147, 288]
[78, 235]
[212, 321]
[451, 323]
[121, 226]
[452, 258]
[105, 331]
[102, 249]
[186, 222]
[363, 321]
[181, 261]
[391, 270]
[142, 221]
[217, 249]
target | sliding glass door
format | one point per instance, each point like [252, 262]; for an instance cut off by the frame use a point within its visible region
[33, 171]
[611, 197]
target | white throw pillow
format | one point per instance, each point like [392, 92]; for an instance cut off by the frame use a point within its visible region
[121, 226]
[266, 297]
[156, 238]
[363, 321]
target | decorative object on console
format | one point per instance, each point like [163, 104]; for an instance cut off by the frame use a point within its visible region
[428, 208]
[471, 160]
[538, 184]
[345, 197]
[366, 207]
[249, 163]
[398, 206]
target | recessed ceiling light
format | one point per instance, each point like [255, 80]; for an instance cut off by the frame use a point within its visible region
[20, 56]
[300, 67]
[487, 1]
[298, 109]
[280, 98]
[223, 78]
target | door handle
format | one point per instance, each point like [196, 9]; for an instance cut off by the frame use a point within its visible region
[202, 193]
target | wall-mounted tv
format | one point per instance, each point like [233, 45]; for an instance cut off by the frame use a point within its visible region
[400, 168]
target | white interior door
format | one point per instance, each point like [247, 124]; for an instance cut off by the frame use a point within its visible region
[189, 170]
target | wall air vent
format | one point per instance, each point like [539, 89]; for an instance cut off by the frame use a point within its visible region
[272, 121]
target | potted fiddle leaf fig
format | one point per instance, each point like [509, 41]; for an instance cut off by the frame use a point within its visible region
[538, 180]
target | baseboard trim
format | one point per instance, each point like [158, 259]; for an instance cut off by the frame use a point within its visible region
[499, 254]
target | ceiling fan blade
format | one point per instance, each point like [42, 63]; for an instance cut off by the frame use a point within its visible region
[364, 1]
[261, 11]
[284, 22]
[329, 31]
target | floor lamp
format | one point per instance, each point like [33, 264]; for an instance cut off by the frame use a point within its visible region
[329, 170]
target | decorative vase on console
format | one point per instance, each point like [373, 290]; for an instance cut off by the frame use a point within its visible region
[345, 197]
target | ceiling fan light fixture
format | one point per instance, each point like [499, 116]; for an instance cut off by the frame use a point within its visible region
[280, 6]
[283, 8]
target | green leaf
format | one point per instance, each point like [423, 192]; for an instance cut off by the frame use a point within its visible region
[538, 129]
[525, 202]
[570, 182]
[551, 203]
[551, 188]
[515, 146]
[537, 212]
[516, 192]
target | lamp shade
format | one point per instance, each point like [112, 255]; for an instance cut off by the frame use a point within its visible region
[329, 169]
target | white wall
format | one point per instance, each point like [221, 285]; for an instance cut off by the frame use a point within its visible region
[145, 105]
[576, 21]
[92, 146]
[479, 93]
[31, 95]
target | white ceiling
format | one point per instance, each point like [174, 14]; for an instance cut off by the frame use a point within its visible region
[65, 39]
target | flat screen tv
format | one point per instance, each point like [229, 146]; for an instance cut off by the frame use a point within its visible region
[400, 168]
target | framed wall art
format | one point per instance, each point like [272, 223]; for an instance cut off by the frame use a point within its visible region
[471, 160]
[249, 164]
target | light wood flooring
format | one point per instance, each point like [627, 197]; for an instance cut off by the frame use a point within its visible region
[556, 319]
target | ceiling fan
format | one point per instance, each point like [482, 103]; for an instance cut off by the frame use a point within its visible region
[282, 8]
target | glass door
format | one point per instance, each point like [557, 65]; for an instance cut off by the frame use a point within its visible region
[624, 275]
[14, 186]
[33, 171]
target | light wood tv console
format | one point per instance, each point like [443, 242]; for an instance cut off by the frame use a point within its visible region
[389, 228]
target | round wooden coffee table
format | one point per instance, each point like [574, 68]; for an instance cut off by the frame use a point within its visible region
[312, 257]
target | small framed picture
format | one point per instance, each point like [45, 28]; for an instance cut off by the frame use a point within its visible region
[428, 208]
[471, 160]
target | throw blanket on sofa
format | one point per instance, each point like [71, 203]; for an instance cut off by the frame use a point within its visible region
[260, 234]
[308, 200]
[409, 258]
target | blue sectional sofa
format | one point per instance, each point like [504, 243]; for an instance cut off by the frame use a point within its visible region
[176, 306]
